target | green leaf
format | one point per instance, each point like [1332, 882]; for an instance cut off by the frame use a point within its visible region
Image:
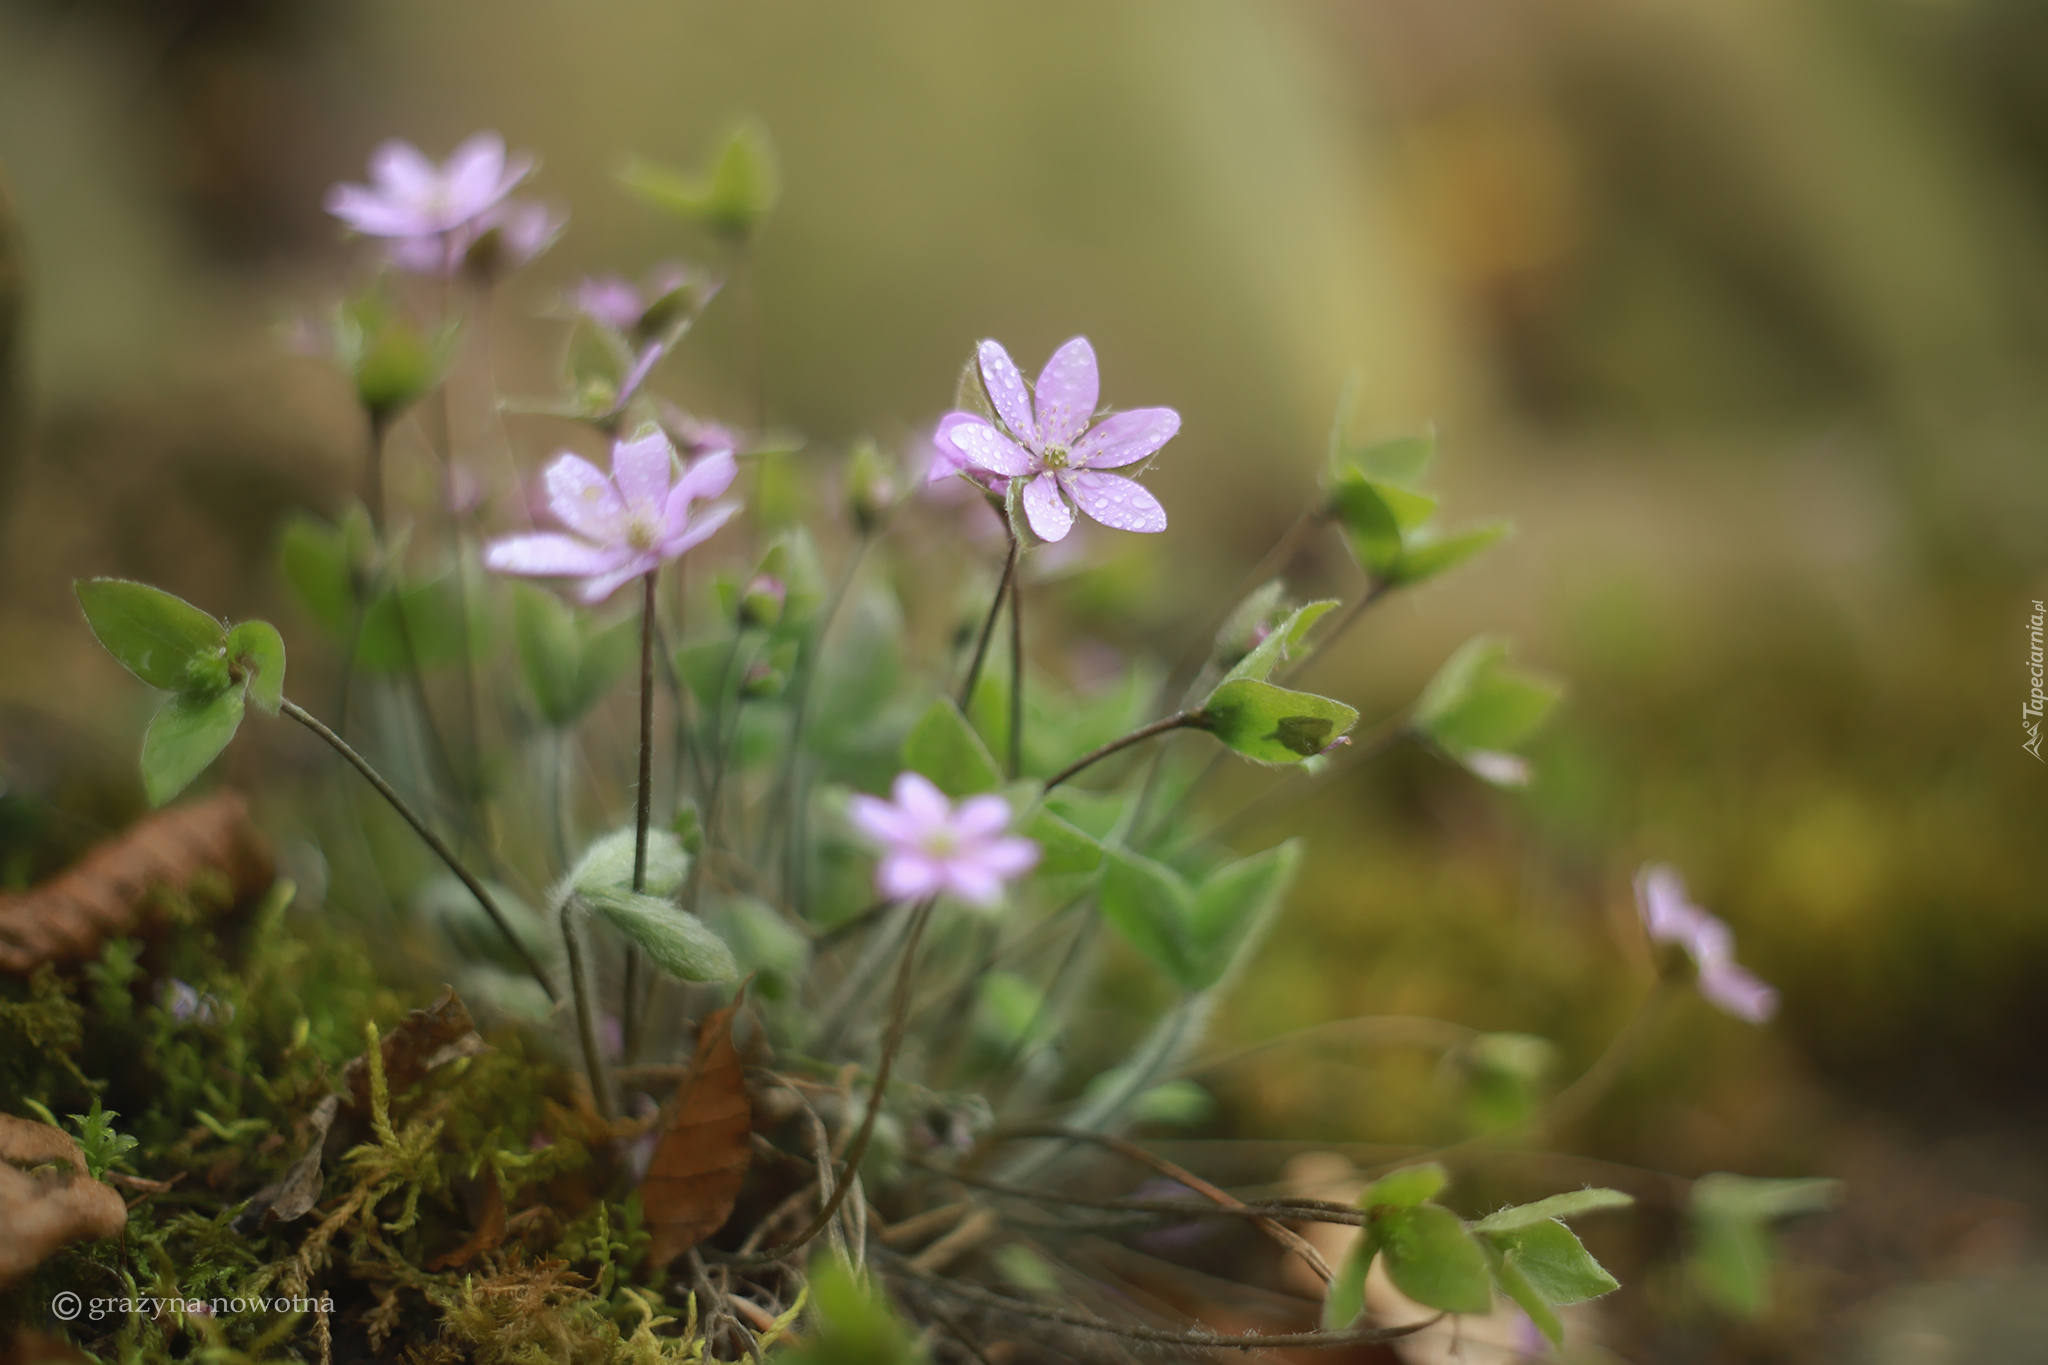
[1432, 1259]
[414, 624]
[1151, 906]
[1260, 663]
[1269, 724]
[945, 748]
[1405, 1188]
[733, 199]
[1401, 460]
[1062, 848]
[1426, 556]
[316, 562]
[163, 640]
[680, 944]
[393, 362]
[607, 865]
[1233, 906]
[1479, 701]
[187, 733]
[1569, 1205]
[1731, 1236]
[1344, 1300]
[256, 652]
[1513, 1283]
[1369, 522]
[452, 909]
[1550, 1256]
[568, 667]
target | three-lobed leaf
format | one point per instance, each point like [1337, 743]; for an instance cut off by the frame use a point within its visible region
[1150, 905]
[733, 198]
[1405, 1188]
[1259, 664]
[1732, 1247]
[163, 640]
[1269, 724]
[678, 942]
[1555, 1263]
[1344, 1299]
[1433, 1260]
[568, 666]
[1480, 704]
[1233, 907]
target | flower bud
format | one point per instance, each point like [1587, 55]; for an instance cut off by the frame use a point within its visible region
[763, 682]
[870, 489]
[762, 600]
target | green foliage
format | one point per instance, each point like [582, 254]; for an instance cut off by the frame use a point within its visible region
[1196, 933]
[256, 656]
[732, 198]
[1480, 705]
[851, 1325]
[1405, 1188]
[1371, 492]
[186, 734]
[102, 1147]
[944, 747]
[569, 664]
[163, 640]
[320, 563]
[1569, 1205]
[1732, 1244]
[392, 360]
[1269, 724]
[1504, 1077]
[1280, 641]
[607, 865]
[678, 942]
[1432, 1259]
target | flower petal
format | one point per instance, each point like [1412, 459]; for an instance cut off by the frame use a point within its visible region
[1116, 501]
[881, 822]
[584, 500]
[478, 177]
[1009, 857]
[642, 467]
[403, 171]
[987, 448]
[1005, 387]
[948, 459]
[972, 882]
[694, 530]
[376, 215]
[1068, 389]
[904, 875]
[1738, 991]
[917, 797]
[435, 255]
[1125, 438]
[550, 555]
[1046, 510]
[980, 816]
[597, 589]
[709, 476]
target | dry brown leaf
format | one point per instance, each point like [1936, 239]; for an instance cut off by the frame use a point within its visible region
[418, 1043]
[489, 1233]
[295, 1195]
[43, 1211]
[697, 1170]
[33, 1348]
[111, 892]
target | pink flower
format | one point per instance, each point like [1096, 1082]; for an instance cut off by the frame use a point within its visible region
[409, 196]
[1045, 437]
[654, 305]
[1672, 918]
[626, 523]
[928, 846]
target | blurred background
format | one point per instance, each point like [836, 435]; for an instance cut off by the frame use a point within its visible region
[1739, 309]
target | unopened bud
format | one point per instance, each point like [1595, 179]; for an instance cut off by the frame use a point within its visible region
[870, 489]
[762, 600]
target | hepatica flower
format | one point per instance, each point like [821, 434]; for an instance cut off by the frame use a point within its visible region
[930, 846]
[1042, 435]
[432, 214]
[1672, 918]
[624, 524]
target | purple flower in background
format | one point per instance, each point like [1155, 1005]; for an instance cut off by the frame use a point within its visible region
[623, 306]
[1672, 918]
[626, 523]
[189, 1005]
[410, 197]
[929, 846]
[610, 299]
[1045, 438]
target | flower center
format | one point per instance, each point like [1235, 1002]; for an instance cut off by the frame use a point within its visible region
[1055, 456]
[642, 531]
[941, 843]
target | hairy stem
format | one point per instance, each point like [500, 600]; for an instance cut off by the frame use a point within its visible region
[988, 627]
[709, 815]
[427, 836]
[586, 1017]
[1016, 670]
[1179, 720]
[629, 1009]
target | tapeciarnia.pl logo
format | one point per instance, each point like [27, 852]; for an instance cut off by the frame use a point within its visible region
[2030, 713]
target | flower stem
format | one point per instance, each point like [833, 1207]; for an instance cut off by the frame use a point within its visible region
[586, 1019]
[1179, 720]
[427, 835]
[709, 814]
[630, 1009]
[988, 627]
[1016, 667]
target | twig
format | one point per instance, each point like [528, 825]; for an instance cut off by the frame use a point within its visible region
[1179, 720]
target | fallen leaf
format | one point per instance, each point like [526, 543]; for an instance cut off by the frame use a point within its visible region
[113, 891]
[33, 1348]
[696, 1172]
[423, 1040]
[490, 1229]
[44, 1209]
[296, 1194]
